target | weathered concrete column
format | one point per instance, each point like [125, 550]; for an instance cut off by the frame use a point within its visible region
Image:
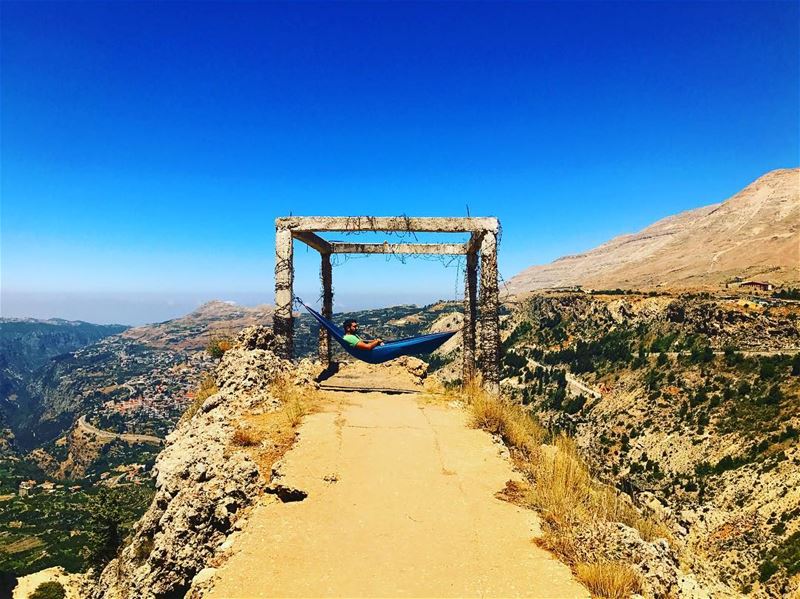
[490, 319]
[470, 316]
[283, 325]
[327, 309]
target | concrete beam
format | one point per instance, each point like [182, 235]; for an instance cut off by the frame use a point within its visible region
[490, 318]
[398, 248]
[389, 223]
[282, 322]
[473, 246]
[314, 241]
[327, 310]
[470, 315]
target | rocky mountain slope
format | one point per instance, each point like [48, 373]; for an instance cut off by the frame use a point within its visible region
[689, 403]
[27, 345]
[77, 368]
[205, 480]
[755, 234]
[214, 319]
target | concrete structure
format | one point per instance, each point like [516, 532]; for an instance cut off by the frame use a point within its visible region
[483, 243]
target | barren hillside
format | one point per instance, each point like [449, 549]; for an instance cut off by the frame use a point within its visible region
[754, 234]
[194, 331]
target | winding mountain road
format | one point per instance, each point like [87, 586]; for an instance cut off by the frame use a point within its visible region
[127, 437]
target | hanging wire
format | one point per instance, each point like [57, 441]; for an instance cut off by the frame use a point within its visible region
[448, 261]
[355, 225]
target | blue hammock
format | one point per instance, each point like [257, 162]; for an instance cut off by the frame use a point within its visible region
[390, 349]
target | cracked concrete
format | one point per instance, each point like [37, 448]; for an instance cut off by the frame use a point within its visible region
[400, 504]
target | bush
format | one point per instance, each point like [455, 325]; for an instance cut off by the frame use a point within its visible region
[513, 363]
[245, 437]
[49, 590]
[732, 358]
[521, 330]
[701, 355]
[787, 554]
[207, 388]
[218, 346]
[664, 343]
[437, 361]
[774, 396]
[609, 579]
[515, 425]
[767, 370]
[574, 404]
[788, 293]
[767, 569]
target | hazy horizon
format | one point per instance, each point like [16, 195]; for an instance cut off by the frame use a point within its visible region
[149, 308]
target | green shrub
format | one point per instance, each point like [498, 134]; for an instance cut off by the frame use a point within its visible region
[767, 370]
[788, 293]
[437, 361]
[767, 569]
[574, 404]
[701, 354]
[49, 590]
[732, 358]
[774, 396]
[787, 554]
[218, 346]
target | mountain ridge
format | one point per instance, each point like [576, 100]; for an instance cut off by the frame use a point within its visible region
[758, 227]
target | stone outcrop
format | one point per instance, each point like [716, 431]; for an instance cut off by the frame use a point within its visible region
[75, 585]
[203, 484]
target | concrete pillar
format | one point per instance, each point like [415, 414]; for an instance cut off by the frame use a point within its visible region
[470, 316]
[283, 325]
[490, 319]
[327, 309]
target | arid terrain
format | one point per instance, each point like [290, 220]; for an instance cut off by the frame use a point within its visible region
[754, 234]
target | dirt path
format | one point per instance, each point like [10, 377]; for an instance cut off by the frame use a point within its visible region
[400, 504]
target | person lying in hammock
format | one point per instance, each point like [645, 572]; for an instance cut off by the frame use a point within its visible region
[350, 329]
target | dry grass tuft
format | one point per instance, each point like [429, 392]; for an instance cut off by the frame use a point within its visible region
[207, 388]
[296, 400]
[434, 392]
[609, 580]
[268, 435]
[562, 488]
[513, 423]
[515, 492]
[245, 437]
[569, 497]
[295, 410]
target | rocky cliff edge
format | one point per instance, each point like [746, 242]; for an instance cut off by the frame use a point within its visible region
[204, 483]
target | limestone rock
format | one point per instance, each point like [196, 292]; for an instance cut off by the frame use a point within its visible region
[415, 367]
[203, 485]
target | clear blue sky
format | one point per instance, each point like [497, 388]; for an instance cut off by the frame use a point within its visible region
[148, 147]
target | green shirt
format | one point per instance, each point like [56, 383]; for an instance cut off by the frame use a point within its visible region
[352, 339]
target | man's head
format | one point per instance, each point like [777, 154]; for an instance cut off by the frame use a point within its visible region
[350, 326]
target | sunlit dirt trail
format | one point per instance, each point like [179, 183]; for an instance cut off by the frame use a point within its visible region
[400, 503]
